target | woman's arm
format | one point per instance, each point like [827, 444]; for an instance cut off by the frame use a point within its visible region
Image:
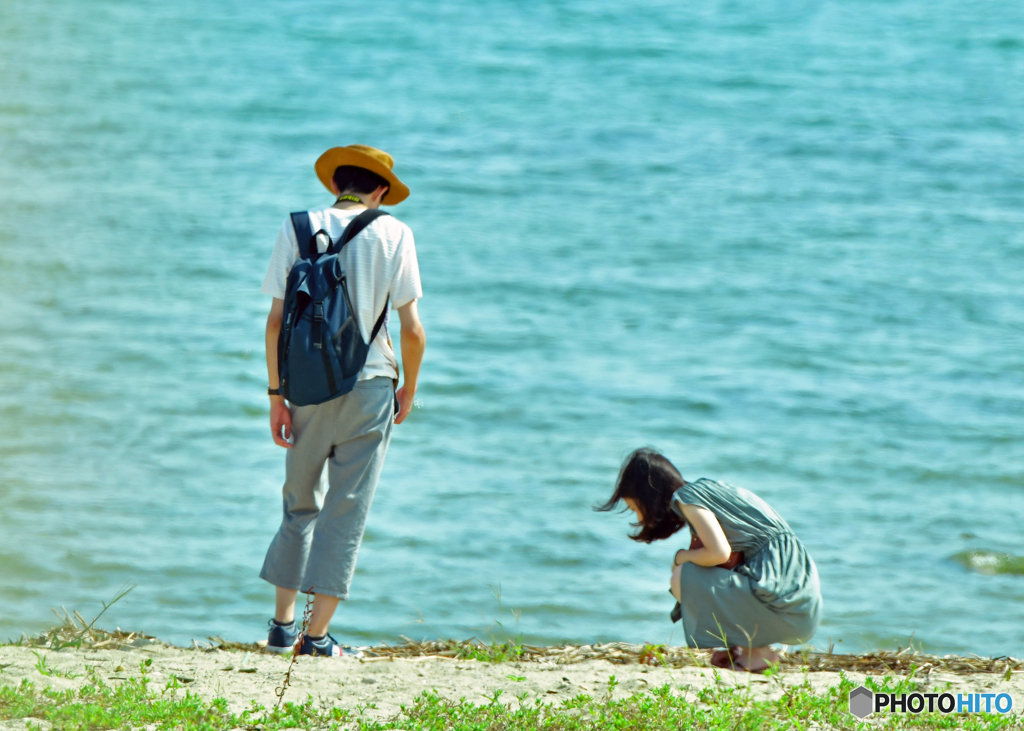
[716, 548]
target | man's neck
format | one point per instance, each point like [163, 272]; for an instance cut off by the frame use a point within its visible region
[345, 201]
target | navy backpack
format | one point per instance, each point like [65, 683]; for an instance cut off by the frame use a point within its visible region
[320, 350]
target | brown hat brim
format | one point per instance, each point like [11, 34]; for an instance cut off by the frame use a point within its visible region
[338, 156]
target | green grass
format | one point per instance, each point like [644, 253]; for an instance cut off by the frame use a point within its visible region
[508, 651]
[46, 670]
[134, 704]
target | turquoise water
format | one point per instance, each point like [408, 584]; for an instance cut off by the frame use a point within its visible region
[782, 241]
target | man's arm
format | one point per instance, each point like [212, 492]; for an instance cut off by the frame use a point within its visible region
[414, 342]
[280, 416]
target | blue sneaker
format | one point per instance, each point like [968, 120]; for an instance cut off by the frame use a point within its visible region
[282, 637]
[325, 646]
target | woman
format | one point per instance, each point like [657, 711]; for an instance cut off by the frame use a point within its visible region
[745, 583]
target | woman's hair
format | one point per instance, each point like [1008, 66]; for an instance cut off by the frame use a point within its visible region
[361, 180]
[650, 479]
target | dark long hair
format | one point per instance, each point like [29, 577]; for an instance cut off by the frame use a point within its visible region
[649, 478]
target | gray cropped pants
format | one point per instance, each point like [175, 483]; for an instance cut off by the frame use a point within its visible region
[324, 516]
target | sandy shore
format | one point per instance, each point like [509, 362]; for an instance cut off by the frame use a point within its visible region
[382, 685]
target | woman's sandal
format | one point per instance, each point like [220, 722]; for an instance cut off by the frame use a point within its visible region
[744, 668]
[723, 659]
[727, 660]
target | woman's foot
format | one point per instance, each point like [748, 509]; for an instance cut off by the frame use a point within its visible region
[722, 659]
[755, 660]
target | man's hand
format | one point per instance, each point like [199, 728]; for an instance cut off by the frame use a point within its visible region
[280, 419]
[280, 416]
[405, 399]
[414, 341]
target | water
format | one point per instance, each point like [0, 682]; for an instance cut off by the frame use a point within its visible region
[782, 241]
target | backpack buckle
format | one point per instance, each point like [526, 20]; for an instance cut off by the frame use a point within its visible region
[318, 318]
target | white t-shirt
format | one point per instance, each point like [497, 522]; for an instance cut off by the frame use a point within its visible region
[379, 263]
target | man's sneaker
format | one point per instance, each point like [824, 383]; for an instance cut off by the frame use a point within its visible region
[282, 637]
[325, 646]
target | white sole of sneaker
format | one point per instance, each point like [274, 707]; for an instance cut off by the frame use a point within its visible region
[280, 650]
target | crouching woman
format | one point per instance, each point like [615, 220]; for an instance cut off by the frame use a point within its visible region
[745, 583]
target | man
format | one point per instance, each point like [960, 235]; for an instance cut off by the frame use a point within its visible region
[315, 549]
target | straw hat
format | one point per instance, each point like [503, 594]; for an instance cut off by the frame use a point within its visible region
[362, 156]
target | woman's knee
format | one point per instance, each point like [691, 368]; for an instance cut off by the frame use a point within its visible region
[676, 582]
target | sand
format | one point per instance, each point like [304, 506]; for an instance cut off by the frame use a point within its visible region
[382, 685]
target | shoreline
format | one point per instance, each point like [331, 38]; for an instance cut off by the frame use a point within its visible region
[903, 661]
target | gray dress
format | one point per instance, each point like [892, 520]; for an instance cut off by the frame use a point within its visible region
[773, 597]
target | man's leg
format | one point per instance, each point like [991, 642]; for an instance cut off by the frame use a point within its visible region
[323, 610]
[303, 492]
[284, 610]
[364, 423]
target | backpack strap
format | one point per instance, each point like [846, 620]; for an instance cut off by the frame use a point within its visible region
[304, 234]
[355, 226]
[380, 321]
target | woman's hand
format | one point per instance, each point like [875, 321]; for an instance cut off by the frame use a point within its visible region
[677, 582]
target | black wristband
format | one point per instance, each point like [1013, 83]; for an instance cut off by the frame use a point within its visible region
[273, 391]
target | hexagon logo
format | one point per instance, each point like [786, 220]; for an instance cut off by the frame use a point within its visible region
[862, 702]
